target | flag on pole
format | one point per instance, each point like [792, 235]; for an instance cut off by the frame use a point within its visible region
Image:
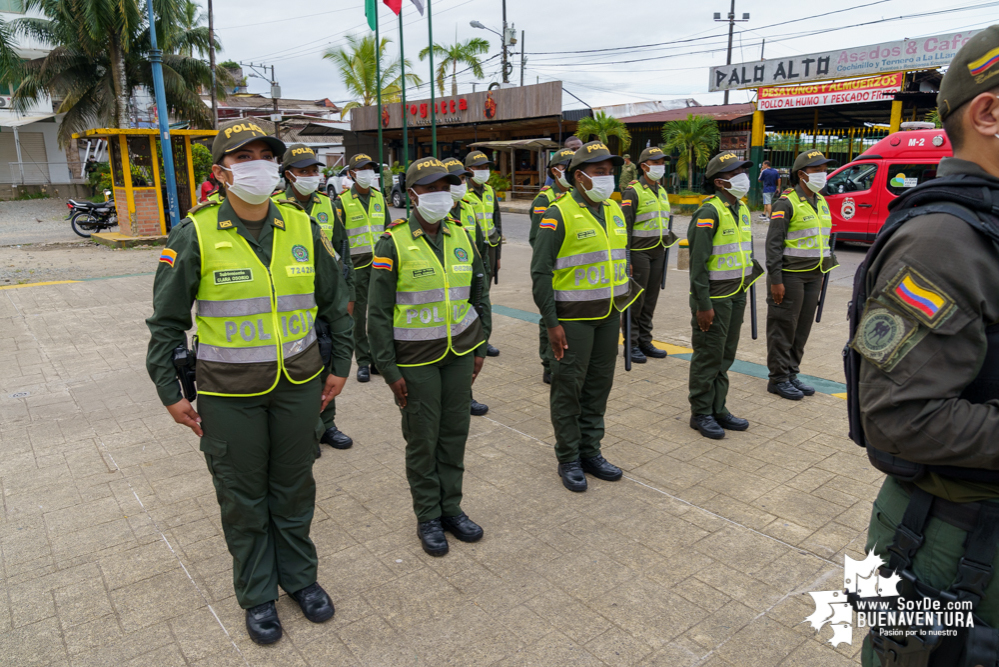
[419, 5]
[394, 5]
[371, 13]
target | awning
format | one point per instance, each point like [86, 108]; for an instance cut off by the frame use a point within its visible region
[517, 144]
[17, 121]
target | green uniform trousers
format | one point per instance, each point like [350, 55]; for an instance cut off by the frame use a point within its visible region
[714, 352]
[647, 270]
[581, 383]
[435, 424]
[790, 322]
[362, 350]
[544, 345]
[935, 563]
[260, 452]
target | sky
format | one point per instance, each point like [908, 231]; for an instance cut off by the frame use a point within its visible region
[563, 40]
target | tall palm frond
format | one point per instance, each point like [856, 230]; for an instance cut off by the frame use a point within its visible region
[357, 67]
[694, 138]
[462, 53]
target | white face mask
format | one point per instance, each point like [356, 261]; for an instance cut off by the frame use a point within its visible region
[306, 185]
[656, 171]
[458, 191]
[601, 187]
[365, 178]
[816, 181]
[253, 181]
[561, 179]
[433, 206]
[738, 186]
[480, 176]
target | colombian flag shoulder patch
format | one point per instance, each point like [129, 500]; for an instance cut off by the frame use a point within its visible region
[382, 263]
[168, 256]
[549, 223]
[777, 215]
[705, 222]
[538, 210]
[920, 297]
[984, 63]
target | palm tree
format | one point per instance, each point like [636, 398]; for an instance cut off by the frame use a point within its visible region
[9, 60]
[694, 138]
[357, 71]
[187, 31]
[100, 54]
[604, 127]
[464, 53]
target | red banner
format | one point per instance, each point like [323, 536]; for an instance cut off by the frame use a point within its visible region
[855, 91]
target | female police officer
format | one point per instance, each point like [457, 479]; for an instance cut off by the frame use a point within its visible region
[262, 274]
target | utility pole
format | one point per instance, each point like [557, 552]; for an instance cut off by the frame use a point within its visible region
[522, 61]
[506, 75]
[156, 59]
[731, 30]
[211, 63]
[274, 99]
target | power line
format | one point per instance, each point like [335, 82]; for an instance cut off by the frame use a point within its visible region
[290, 18]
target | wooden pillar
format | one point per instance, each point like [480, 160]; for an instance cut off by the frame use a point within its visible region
[896, 116]
[757, 141]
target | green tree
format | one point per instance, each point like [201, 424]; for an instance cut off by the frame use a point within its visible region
[463, 53]
[694, 139]
[357, 67]
[604, 127]
[189, 35]
[100, 54]
[934, 117]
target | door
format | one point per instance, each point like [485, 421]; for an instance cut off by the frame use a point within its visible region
[853, 199]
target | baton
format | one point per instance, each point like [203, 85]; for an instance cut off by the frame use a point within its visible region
[752, 296]
[825, 281]
[662, 285]
[627, 317]
[343, 255]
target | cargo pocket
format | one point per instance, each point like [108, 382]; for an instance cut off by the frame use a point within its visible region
[564, 369]
[215, 451]
[320, 429]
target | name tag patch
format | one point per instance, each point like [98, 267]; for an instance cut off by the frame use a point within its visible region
[461, 268]
[300, 270]
[424, 273]
[586, 233]
[233, 276]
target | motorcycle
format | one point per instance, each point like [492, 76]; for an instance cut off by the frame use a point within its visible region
[87, 217]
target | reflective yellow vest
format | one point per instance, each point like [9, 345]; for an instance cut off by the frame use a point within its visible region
[363, 226]
[731, 247]
[651, 219]
[322, 211]
[591, 269]
[467, 218]
[484, 212]
[808, 232]
[433, 314]
[253, 318]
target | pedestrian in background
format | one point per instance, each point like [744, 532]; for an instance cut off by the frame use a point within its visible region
[770, 178]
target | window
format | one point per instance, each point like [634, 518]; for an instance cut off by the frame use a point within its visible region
[14, 6]
[858, 178]
[902, 177]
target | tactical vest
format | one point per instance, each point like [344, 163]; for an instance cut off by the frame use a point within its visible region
[433, 314]
[651, 218]
[322, 210]
[591, 269]
[252, 318]
[731, 247]
[484, 212]
[466, 217]
[808, 233]
[363, 226]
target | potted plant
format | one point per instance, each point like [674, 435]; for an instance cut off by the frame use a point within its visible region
[501, 185]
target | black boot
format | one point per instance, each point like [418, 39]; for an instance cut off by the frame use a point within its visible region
[363, 375]
[491, 351]
[572, 475]
[601, 468]
[431, 535]
[462, 527]
[479, 409]
[315, 603]
[263, 624]
[546, 376]
[707, 426]
[336, 438]
[651, 350]
[637, 356]
[805, 389]
[730, 422]
[785, 390]
[374, 370]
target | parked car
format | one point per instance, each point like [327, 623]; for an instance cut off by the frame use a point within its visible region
[858, 193]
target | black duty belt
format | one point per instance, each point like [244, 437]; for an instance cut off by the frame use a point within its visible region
[960, 515]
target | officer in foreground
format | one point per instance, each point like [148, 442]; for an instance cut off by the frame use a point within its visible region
[721, 272]
[927, 374]
[462, 213]
[557, 165]
[361, 210]
[428, 322]
[483, 199]
[300, 168]
[798, 257]
[645, 203]
[263, 275]
[581, 285]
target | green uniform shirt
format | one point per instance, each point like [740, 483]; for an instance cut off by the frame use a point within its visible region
[381, 301]
[546, 246]
[701, 240]
[629, 204]
[339, 233]
[629, 173]
[342, 227]
[176, 287]
[541, 201]
[777, 232]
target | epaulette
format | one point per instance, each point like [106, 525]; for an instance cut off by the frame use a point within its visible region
[396, 222]
[547, 187]
[561, 195]
[203, 205]
[633, 182]
[291, 202]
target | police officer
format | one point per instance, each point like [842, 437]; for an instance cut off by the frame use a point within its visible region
[581, 285]
[721, 272]
[628, 172]
[557, 165]
[428, 339]
[798, 256]
[645, 203]
[462, 213]
[301, 172]
[928, 381]
[482, 198]
[262, 275]
[362, 211]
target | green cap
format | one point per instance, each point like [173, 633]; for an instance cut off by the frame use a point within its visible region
[238, 133]
[812, 158]
[627, 156]
[299, 156]
[454, 166]
[973, 71]
[477, 159]
[562, 156]
[724, 162]
[361, 160]
[651, 153]
[428, 170]
[595, 151]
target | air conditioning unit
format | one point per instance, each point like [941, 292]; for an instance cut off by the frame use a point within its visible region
[4, 102]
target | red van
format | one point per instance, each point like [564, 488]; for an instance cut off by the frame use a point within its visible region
[859, 192]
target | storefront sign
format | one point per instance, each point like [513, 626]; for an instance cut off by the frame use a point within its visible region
[906, 54]
[872, 89]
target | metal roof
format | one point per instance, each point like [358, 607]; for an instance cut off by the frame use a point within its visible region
[722, 112]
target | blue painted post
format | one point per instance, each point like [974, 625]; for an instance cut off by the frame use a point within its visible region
[156, 59]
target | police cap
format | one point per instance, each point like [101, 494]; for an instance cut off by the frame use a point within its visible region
[594, 151]
[725, 162]
[477, 159]
[236, 134]
[360, 161]
[974, 70]
[429, 170]
[562, 156]
[651, 153]
[299, 156]
[812, 158]
[454, 166]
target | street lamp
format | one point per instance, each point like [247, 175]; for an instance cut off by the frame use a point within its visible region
[507, 37]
